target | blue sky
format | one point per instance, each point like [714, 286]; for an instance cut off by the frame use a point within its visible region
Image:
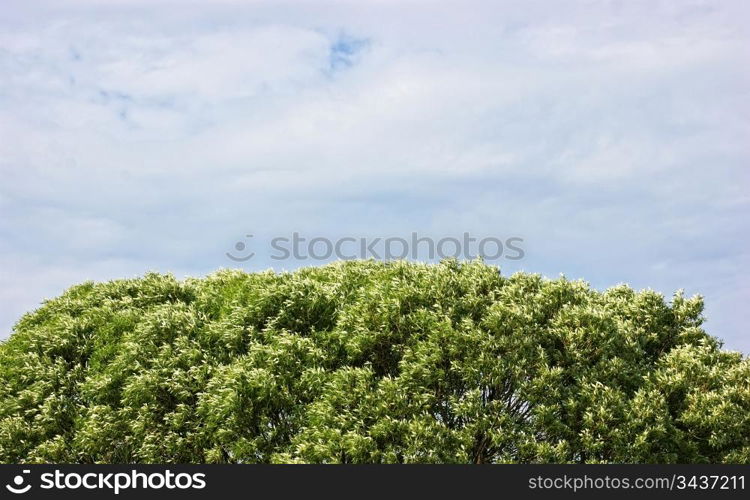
[611, 136]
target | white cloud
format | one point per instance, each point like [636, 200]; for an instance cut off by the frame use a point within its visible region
[140, 136]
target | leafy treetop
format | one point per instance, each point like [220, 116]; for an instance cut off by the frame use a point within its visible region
[369, 362]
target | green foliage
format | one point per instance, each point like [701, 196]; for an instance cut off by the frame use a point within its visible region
[369, 362]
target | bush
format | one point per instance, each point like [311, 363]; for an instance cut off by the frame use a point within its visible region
[369, 362]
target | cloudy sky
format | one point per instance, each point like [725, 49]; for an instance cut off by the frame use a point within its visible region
[611, 136]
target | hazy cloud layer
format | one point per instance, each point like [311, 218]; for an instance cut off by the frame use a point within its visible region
[611, 136]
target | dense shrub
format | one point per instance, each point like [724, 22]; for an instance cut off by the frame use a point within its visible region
[369, 362]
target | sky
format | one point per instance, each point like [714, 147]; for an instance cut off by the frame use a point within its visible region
[610, 136]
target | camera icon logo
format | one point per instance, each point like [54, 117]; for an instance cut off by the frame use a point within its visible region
[18, 481]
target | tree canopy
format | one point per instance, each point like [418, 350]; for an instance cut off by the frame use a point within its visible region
[369, 362]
